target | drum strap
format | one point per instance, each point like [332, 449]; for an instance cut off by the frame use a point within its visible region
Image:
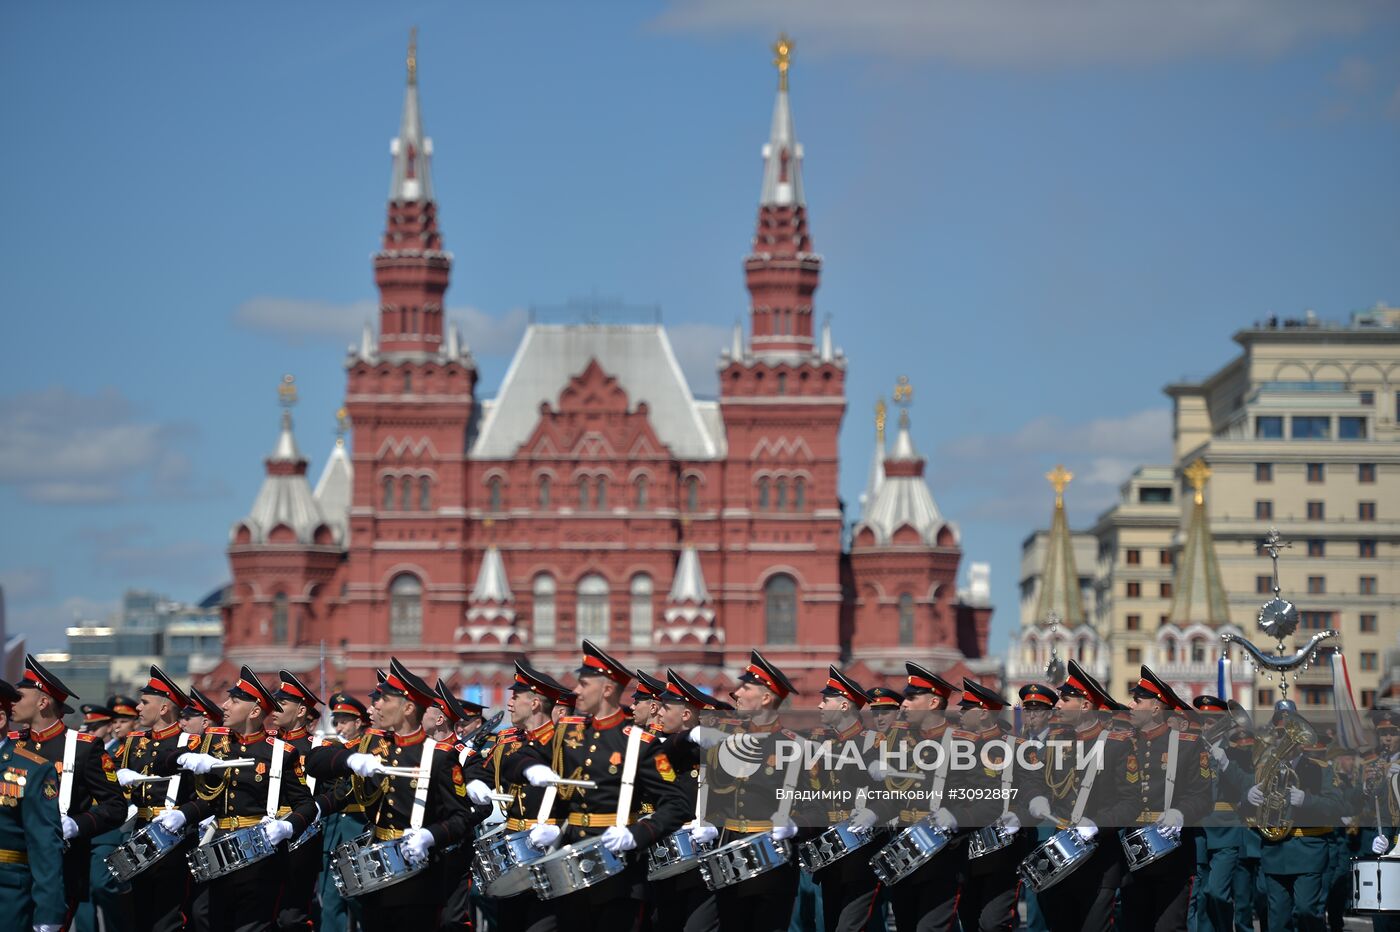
[65, 782]
[702, 793]
[274, 778]
[1173, 746]
[629, 774]
[546, 804]
[1006, 774]
[941, 777]
[1082, 800]
[789, 781]
[172, 790]
[425, 772]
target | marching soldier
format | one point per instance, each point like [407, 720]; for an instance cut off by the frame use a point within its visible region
[295, 719]
[1225, 834]
[349, 718]
[106, 895]
[31, 861]
[884, 708]
[1380, 802]
[1037, 714]
[269, 792]
[398, 807]
[646, 700]
[473, 717]
[90, 802]
[202, 713]
[123, 722]
[456, 858]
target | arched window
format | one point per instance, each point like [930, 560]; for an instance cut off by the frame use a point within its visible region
[906, 619]
[406, 493]
[425, 493]
[641, 610]
[544, 492]
[544, 610]
[407, 382]
[600, 500]
[692, 494]
[763, 494]
[593, 608]
[640, 493]
[405, 609]
[583, 493]
[799, 494]
[493, 485]
[1198, 650]
[279, 618]
[782, 495]
[782, 383]
[388, 493]
[780, 609]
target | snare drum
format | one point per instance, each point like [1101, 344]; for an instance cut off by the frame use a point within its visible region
[363, 865]
[312, 831]
[1055, 859]
[1144, 845]
[1375, 885]
[833, 844]
[676, 854]
[146, 846]
[743, 859]
[988, 839]
[229, 853]
[574, 867]
[502, 862]
[911, 849]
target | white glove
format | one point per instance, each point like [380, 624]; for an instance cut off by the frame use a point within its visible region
[706, 736]
[196, 763]
[276, 830]
[478, 792]
[544, 835]
[1086, 829]
[127, 777]
[1255, 795]
[1296, 796]
[618, 839]
[703, 832]
[945, 820]
[863, 818]
[1394, 767]
[1381, 845]
[1217, 754]
[783, 828]
[1169, 823]
[540, 775]
[416, 842]
[1040, 808]
[70, 828]
[364, 766]
[876, 771]
[1010, 821]
[172, 820]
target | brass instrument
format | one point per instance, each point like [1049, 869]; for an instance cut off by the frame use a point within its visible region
[1275, 776]
[1236, 717]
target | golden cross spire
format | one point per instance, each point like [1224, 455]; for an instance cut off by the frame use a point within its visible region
[880, 420]
[783, 49]
[1059, 477]
[1198, 473]
[413, 55]
[903, 391]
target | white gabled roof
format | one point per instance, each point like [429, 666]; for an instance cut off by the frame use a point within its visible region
[639, 356]
[334, 489]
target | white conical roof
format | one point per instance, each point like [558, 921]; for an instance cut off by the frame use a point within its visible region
[285, 497]
[492, 589]
[412, 177]
[334, 490]
[689, 599]
[902, 497]
[782, 159]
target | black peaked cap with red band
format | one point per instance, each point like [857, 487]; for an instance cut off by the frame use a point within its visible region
[528, 679]
[379, 677]
[884, 699]
[1210, 704]
[403, 682]
[346, 704]
[598, 662]
[763, 673]
[94, 714]
[36, 677]
[680, 689]
[1150, 685]
[1036, 695]
[451, 706]
[251, 688]
[200, 704]
[122, 706]
[648, 687]
[8, 693]
[975, 695]
[923, 680]
[290, 688]
[1079, 683]
[164, 687]
[841, 685]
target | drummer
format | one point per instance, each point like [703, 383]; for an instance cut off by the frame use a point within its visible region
[883, 704]
[295, 720]
[646, 702]
[29, 832]
[200, 714]
[457, 860]
[160, 899]
[1037, 717]
[350, 719]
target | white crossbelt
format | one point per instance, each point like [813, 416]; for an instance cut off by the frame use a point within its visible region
[65, 781]
[425, 773]
[940, 777]
[1082, 800]
[1173, 744]
[1006, 777]
[274, 778]
[702, 794]
[172, 789]
[629, 774]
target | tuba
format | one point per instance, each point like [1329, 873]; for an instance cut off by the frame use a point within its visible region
[1275, 776]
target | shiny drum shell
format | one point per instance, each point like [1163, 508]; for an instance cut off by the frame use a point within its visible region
[363, 865]
[743, 859]
[228, 853]
[574, 867]
[988, 839]
[1055, 859]
[1375, 886]
[675, 854]
[312, 831]
[832, 845]
[146, 846]
[1142, 846]
[910, 850]
[502, 862]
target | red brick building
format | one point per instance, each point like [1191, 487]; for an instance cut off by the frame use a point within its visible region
[594, 495]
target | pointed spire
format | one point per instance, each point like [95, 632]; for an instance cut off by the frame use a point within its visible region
[286, 450]
[492, 585]
[411, 179]
[285, 498]
[901, 497]
[1059, 585]
[736, 343]
[828, 351]
[368, 350]
[452, 348]
[877, 460]
[334, 488]
[689, 599]
[782, 155]
[1198, 594]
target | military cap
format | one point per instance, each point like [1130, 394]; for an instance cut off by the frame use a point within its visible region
[163, 686]
[250, 688]
[93, 714]
[1078, 683]
[648, 687]
[763, 673]
[450, 705]
[1036, 696]
[345, 704]
[402, 682]
[36, 677]
[8, 693]
[839, 684]
[379, 677]
[884, 699]
[598, 662]
[568, 700]
[1387, 721]
[1152, 686]
[923, 680]
[679, 689]
[292, 689]
[528, 679]
[1209, 704]
[200, 704]
[977, 696]
[122, 706]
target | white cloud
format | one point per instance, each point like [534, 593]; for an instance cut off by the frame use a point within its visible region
[697, 348]
[1034, 33]
[62, 447]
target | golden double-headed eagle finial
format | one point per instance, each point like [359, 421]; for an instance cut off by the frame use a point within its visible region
[783, 50]
[287, 391]
[880, 420]
[1198, 474]
[413, 55]
[1059, 478]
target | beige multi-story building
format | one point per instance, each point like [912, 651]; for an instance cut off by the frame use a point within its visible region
[1300, 433]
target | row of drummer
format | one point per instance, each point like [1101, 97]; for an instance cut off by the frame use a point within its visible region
[230, 816]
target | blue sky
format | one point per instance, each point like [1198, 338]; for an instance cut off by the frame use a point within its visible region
[1041, 213]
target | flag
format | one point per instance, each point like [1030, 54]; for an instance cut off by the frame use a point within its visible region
[1349, 733]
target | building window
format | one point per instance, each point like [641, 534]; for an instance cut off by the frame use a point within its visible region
[1317, 511]
[1366, 511]
[1268, 428]
[1315, 472]
[279, 618]
[583, 493]
[406, 493]
[692, 494]
[763, 494]
[1164, 557]
[782, 383]
[544, 610]
[1162, 620]
[1134, 590]
[1317, 547]
[1368, 698]
[388, 493]
[1366, 473]
[1366, 398]
[1366, 549]
[639, 490]
[1165, 589]
[1369, 660]
[1263, 584]
[405, 610]
[1311, 427]
[600, 497]
[408, 383]
[906, 620]
[425, 493]
[641, 610]
[1317, 585]
[1155, 495]
[1263, 510]
[1369, 624]
[1133, 622]
[1263, 472]
[542, 496]
[593, 608]
[799, 494]
[1133, 557]
[1263, 698]
[493, 485]
[1198, 650]
[1351, 428]
[1367, 585]
[1134, 655]
[782, 495]
[1315, 621]
[780, 609]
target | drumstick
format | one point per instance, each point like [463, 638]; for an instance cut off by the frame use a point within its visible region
[503, 798]
[148, 780]
[399, 771]
[239, 762]
[564, 781]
